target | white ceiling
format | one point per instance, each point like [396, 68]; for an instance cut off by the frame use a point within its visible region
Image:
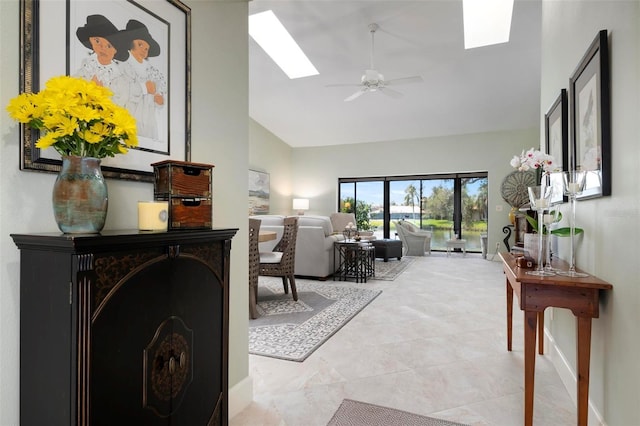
[464, 91]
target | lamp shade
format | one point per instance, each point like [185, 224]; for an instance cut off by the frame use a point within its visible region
[301, 204]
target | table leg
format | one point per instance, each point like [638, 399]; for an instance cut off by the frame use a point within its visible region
[509, 314]
[541, 333]
[361, 276]
[342, 271]
[583, 350]
[530, 320]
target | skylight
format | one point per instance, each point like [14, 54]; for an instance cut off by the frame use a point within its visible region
[486, 22]
[265, 28]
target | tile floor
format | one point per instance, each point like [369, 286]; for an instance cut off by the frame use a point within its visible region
[433, 343]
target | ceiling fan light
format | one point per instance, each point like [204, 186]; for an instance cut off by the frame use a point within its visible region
[372, 77]
[486, 22]
[267, 30]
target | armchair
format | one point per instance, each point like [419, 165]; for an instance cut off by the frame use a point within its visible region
[339, 222]
[415, 241]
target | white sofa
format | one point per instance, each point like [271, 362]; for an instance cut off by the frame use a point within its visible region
[314, 245]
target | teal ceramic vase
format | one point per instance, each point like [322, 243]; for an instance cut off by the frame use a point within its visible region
[80, 196]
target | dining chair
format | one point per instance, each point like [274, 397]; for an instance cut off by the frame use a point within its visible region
[281, 261]
[254, 266]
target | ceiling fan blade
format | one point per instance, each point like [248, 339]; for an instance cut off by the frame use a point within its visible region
[390, 92]
[356, 95]
[343, 85]
[404, 80]
[373, 81]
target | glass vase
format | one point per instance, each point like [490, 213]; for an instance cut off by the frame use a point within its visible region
[80, 196]
[540, 198]
[573, 183]
[549, 219]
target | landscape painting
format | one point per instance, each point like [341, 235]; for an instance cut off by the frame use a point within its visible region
[258, 192]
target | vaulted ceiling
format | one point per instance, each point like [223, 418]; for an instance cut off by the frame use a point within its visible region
[490, 88]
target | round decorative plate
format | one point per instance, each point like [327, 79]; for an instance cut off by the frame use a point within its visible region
[514, 187]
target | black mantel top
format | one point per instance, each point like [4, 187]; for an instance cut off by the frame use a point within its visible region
[108, 240]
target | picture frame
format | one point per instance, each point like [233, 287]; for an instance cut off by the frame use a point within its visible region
[590, 121]
[557, 142]
[259, 188]
[51, 47]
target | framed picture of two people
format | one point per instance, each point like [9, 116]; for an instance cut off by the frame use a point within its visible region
[140, 49]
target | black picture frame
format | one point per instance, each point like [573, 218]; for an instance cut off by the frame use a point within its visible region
[46, 50]
[589, 93]
[556, 128]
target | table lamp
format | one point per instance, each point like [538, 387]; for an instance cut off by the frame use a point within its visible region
[301, 204]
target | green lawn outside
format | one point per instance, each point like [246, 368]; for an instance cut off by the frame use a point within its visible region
[442, 230]
[479, 226]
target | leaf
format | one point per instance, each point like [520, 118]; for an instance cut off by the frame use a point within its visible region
[566, 232]
[532, 222]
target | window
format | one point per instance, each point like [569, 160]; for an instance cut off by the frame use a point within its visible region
[447, 205]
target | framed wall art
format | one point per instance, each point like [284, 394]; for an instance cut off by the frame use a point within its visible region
[557, 141]
[258, 192]
[140, 49]
[589, 96]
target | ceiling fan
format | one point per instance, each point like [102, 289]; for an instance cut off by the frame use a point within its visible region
[373, 81]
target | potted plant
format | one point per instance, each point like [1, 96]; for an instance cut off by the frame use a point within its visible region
[531, 240]
[78, 119]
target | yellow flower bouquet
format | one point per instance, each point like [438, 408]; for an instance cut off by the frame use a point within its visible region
[77, 117]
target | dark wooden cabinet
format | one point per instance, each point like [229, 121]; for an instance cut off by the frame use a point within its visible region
[124, 328]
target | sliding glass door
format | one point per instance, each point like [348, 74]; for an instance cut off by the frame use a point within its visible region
[449, 206]
[474, 211]
[364, 199]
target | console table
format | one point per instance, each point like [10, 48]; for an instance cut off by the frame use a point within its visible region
[124, 327]
[580, 295]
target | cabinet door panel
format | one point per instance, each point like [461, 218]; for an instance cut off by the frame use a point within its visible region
[120, 334]
[156, 347]
[197, 299]
[45, 338]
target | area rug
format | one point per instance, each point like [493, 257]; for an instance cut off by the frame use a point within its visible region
[293, 330]
[389, 271]
[355, 413]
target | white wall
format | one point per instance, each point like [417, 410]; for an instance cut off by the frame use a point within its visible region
[316, 171]
[219, 137]
[267, 153]
[609, 247]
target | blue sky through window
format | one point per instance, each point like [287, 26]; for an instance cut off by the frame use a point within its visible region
[372, 193]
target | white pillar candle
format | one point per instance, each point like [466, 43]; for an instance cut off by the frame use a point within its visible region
[542, 203]
[574, 187]
[153, 215]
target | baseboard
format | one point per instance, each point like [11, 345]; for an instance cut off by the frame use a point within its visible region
[568, 377]
[240, 396]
